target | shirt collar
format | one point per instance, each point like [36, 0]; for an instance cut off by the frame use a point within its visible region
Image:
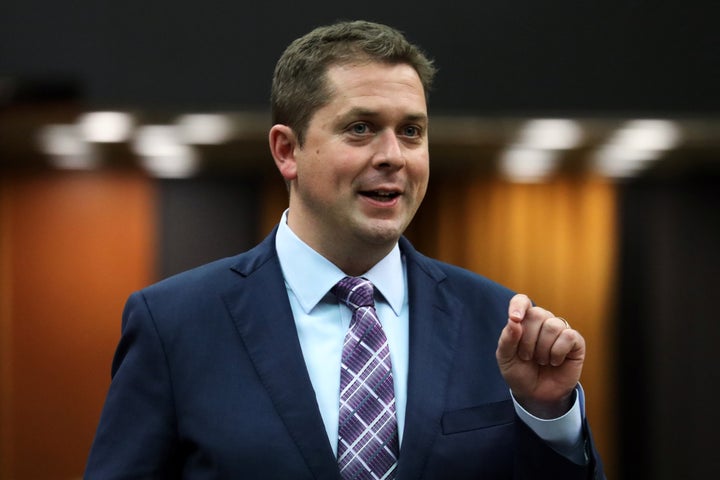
[297, 259]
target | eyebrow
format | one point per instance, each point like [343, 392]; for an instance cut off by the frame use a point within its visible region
[365, 112]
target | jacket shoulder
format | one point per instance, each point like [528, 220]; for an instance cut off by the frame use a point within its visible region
[216, 274]
[459, 278]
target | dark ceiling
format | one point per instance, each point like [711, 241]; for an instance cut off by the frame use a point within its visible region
[495, 57]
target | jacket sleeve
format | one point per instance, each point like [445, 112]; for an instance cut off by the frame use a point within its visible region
[137, 435]
[536, 460]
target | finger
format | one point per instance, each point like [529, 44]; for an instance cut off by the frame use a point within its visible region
[532, 325]
[508, 342]
[570, 345]
[519, 305]
[550, 331]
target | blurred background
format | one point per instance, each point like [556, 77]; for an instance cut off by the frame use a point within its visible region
[575, 156]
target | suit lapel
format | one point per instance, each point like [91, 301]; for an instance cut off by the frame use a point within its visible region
[262, 315]
[434, 329]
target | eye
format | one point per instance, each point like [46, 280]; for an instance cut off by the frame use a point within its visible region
[411, 131]
[359, 128]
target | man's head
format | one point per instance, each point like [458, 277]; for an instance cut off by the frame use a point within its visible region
[350, 138]
[300, 84]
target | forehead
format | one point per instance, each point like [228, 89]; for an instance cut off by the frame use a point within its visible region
[355, 84]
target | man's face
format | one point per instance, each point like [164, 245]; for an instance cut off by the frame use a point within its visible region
[363, 169]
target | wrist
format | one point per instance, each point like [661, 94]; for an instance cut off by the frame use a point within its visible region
[547, 409]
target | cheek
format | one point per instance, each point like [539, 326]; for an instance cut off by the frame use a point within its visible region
[420, 171]
[319, 176]
[420, 176]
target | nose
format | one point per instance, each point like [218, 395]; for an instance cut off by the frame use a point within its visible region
[389, 153]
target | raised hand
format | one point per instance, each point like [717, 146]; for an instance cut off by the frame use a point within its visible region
[541, 358]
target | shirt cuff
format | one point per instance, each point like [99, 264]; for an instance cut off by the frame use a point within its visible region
[564, 434]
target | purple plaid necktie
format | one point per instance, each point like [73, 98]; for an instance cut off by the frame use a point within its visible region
[367, 431]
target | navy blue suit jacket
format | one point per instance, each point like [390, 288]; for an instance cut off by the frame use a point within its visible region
[209, 382]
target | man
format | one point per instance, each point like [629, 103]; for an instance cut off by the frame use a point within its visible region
[248, 368]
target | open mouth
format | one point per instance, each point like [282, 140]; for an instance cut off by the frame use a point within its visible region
[380, 196]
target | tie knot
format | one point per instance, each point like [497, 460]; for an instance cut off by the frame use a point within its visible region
[355, 292]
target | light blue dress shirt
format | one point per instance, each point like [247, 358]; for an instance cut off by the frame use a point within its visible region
[322, 323]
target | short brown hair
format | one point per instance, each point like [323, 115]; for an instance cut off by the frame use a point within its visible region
[299, 85]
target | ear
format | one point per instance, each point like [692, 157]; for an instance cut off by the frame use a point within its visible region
[282, 146]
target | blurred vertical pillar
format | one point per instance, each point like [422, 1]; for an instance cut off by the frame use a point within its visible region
[669, 380]
[72, 247]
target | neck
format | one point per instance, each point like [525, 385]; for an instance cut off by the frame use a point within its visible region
[354, 256]
[353, 267]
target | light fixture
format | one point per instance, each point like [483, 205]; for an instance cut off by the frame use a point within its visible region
[527, 165]
[162, 152]
[66, 147]
[106, 127]
[636, 145]
[550, 134]
[535, 153]
[205, 128]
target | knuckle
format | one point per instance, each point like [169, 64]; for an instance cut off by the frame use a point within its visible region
[554, 326]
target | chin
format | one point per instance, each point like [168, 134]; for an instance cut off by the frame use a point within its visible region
[382, 233]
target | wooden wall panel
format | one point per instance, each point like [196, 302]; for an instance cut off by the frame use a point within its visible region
[74, 245]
